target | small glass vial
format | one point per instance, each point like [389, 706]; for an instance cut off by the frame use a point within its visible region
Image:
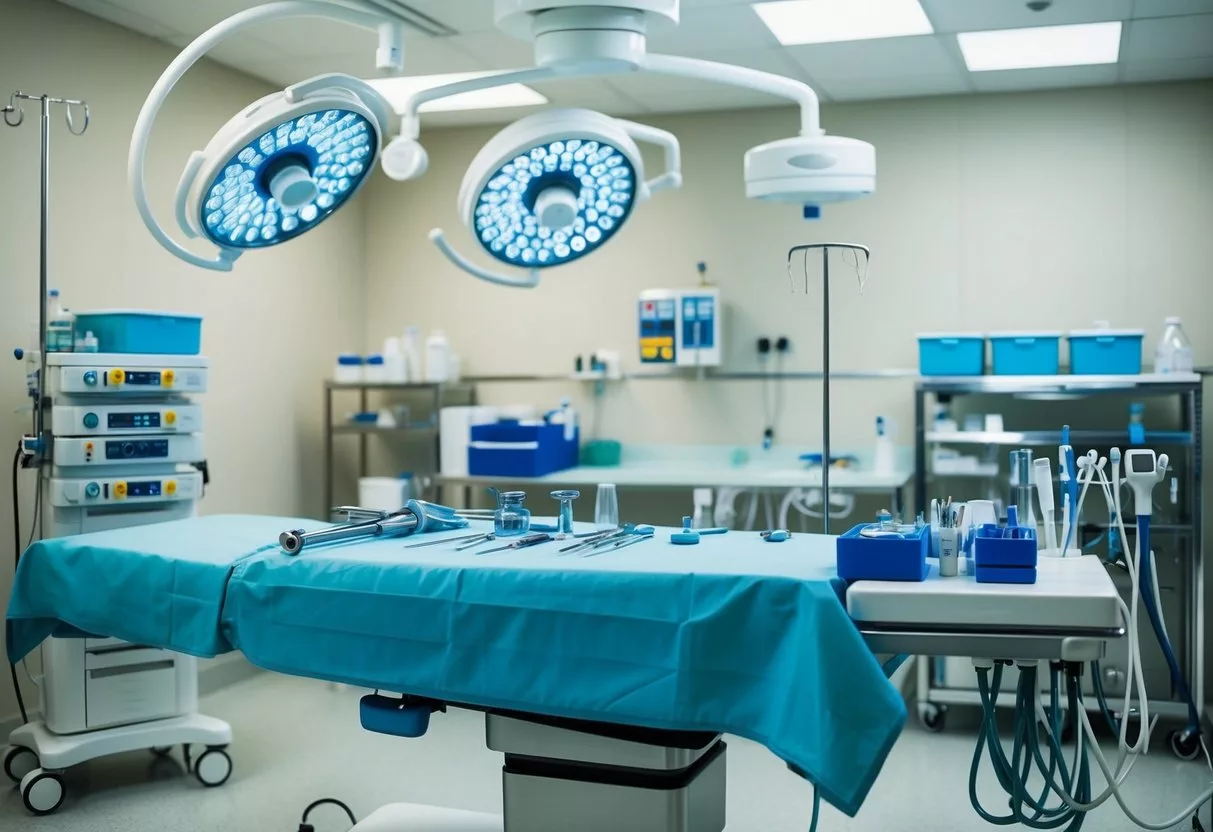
[512, 518]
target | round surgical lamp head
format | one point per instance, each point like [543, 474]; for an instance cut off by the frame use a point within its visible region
[551, 188]
[280, 167]
[811, 170]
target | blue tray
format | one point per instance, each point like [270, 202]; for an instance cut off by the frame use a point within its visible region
[861, 558]
[993, 548]
[1006, 575]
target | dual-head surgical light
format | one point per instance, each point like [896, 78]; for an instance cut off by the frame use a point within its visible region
[547, 190]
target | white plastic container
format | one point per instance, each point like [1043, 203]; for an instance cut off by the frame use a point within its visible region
[60, 325]
[455, 434]
[384, 493]
[395, 366]
[410, 345]
[88, 342]
[885, 456]
[374, 371]
[1174, 351]
[348, 369]
[437, 357]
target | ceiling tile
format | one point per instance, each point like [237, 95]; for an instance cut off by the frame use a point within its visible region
[978, 15]
[591, 93]
[875, 59]
[1169, 38]
[124, 17]
[904, 86]
[1163, 8]
[1049, 78]
[461, 15]
[706, 29]
[188, 18]
[1167, 70]
[243, 50]
[306, 36]
[494, 50]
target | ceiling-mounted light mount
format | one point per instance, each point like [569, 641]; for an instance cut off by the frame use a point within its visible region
[606, 34]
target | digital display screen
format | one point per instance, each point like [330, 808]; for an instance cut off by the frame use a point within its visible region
[1142, 463]
[147, 379]
[143, 449]
[143, 489]
[133, 420]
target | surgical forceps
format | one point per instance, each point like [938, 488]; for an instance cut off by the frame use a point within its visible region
[520, 543]
[609, 537]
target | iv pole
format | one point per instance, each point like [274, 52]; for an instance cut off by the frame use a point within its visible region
[34, 447]
[825, 353]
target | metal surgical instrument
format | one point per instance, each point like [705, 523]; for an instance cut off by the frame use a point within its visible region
[521, 543]
[417, 516]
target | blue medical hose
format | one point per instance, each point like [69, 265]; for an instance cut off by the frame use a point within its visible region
[1146, 580]
[816, 810]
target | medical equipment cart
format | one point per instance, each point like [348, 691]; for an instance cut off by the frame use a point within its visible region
[1185, 606]
[436, 396]
[125, 439]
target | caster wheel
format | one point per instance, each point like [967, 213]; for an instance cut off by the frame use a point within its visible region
[161, 750]
[213, 767]
[18, 762]
[42, 791]
[1185, 744]
[932, 717]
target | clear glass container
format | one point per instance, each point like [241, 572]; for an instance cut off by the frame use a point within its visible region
[512, 518]
[606, 507]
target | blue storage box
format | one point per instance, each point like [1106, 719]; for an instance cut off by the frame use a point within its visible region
[994, 546]
[1106, 352]
[1006, 575]
[861, 558]
[511, 448]
[141, 331]
[949, 354]
[1025, 353]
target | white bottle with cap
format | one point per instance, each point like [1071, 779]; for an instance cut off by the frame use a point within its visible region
[1174, 352]
[60, 325]
[437, 357]
[410, 345]
[395, 365]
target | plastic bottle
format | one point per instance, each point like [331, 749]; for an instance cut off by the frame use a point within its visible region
[87, 343]
[437, 357]
[395, 366]
[1174, 352]
[60, 325]
[411, 346]
[885, 452]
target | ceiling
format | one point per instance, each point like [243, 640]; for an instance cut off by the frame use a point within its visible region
[1163, 40]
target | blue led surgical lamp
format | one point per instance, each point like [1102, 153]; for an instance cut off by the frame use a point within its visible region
[555, 186]
[286, 162]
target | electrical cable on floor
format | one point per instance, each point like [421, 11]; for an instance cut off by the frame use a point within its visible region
[16, 559]
[304, 826]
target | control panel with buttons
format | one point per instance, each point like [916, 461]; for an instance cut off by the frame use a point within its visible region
[72, 451]
[125, 375]
[103, 419]
[99, 491]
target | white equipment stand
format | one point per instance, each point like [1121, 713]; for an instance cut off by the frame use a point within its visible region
[565, 774]
[123, 433]
[1070, 614]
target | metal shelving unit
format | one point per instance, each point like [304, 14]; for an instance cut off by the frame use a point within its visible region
[364, 432]
[1186, 532]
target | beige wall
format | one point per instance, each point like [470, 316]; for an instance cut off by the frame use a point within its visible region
[272, 325]
[1035, 210]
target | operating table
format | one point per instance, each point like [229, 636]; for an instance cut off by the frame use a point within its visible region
[606, 681]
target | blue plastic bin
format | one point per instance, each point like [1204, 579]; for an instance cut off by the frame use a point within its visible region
[1025, 353]
[141, 331]
[951, 354]
[861, 558]
[1106, 352]
[521, 449]
[994, 547]
[1006, 575]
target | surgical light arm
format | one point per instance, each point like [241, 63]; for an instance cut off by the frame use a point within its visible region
[389, 57]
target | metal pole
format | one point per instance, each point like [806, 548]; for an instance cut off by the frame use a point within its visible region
[825, 391]
[42, 270]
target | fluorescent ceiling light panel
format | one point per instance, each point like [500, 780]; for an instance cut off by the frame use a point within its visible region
[398, 90]
[1080, 45]
[796, 22]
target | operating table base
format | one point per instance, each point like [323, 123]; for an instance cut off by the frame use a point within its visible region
[561, 775]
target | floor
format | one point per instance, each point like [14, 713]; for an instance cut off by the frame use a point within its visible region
[297, 740]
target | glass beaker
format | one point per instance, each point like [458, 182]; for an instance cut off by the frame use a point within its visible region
[512, 518]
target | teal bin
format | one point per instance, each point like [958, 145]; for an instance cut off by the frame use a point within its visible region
[948, 354]
[140, 331]
[1025, 353]
[1106, 352]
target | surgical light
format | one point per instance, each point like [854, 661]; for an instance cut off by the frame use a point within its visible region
[554, 187]
[286, 162]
